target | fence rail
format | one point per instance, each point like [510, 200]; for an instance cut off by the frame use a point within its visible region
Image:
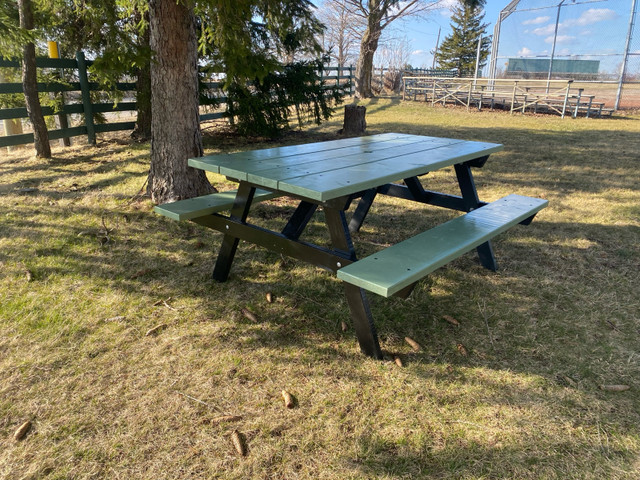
[343, 77]
[88, 109]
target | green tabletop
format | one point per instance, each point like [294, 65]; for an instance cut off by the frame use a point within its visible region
[325, 170]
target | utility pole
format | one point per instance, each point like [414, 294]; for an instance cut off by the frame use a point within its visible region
[553, 48]
[435, 52]
[623, 70]
[475, 75]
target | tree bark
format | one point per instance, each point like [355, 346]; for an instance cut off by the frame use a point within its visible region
[30, 85]
[364, 67]
[175, 123]
[143, 104]
[143, 91]
[354, 120]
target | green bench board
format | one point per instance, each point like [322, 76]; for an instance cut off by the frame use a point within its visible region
[206, 205]
[396, 267]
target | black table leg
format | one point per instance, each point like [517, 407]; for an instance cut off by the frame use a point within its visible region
[471, 202]
[362, 209]
[299, 220]
[356, 297]
[239, 211]
[363, 321]
[416, 189]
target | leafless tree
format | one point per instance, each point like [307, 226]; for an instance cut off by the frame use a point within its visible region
[376, 16]
[342, 31]
[394, 53]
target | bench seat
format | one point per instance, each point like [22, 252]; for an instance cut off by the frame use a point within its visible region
[206, 205]
[396, 267]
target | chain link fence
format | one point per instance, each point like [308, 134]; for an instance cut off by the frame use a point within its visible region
[596, 43]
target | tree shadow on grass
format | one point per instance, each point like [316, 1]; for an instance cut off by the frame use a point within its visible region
[60, 170]
[471, 456]
[593, 265]
[374, 105]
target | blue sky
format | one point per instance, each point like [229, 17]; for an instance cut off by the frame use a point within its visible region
[594, 28]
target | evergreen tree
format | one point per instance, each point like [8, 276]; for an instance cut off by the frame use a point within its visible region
[269, 86]
[459, 49]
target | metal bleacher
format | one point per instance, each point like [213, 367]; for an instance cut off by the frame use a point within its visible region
[537, 96]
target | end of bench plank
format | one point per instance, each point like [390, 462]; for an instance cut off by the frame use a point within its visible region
[206, 205]
[394, 268]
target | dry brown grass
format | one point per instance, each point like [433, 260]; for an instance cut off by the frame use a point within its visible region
[558, 320]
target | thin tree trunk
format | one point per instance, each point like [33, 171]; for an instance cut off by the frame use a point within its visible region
[143, 104]
[364, 67]
[30, 85]
[175, 125]
[143, 92]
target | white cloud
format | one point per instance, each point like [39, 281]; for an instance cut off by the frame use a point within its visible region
[546, 30]
[446, 7]
[448, 3]
[593, 15]
[536, 21]
[418, 52]
[560, 39]
[524, 52]
[588, 17]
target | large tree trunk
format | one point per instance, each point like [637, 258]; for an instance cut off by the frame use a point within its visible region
[364, 67]
[30, 85]
[175, 125]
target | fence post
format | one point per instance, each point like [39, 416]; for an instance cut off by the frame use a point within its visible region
[62, 117]
[86, 98]
[12, 126]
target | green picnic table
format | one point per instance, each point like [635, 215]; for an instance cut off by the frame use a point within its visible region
[336, 174]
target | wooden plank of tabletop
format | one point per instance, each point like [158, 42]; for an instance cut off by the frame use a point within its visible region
[271, 178]
[274, 168]
[212, 163]
[344, 181]
[347, 152]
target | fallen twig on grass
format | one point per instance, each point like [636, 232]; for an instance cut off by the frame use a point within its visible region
[156, 329]
[197, 400]
[139, 193]
[483, 312]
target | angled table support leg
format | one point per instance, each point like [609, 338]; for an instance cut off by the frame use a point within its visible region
[299, 220]
[363, 321]
[356, 297]
[416, 189]
[239, 211]
[361, 210]
[471, 202]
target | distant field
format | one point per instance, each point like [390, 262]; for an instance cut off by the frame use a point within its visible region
[607, 92]
[87, 270]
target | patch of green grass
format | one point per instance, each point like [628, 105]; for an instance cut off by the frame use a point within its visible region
[86, 270]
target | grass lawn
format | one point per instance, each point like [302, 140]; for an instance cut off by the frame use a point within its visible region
[86, 270]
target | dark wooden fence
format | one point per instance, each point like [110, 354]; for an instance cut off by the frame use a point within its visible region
[342, 76]
[82, 85]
